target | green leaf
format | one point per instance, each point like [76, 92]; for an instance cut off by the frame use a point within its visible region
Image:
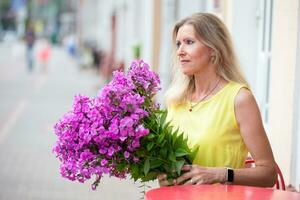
[174, 137]
[121, 166]
[169, 138]
[155, 163]
[163, 152]
[185, 141]
[178, 141]
[140, 153]
[150, 145]
[161, 138]
[193, 154]
[150, 176]
[135, 172]
[157, 126]
[150, 136]
[180, 152]
[163, 143]
[167, 125]
[172, 156]
[175, 133]
[163, 117]
[146, 166]
[160, 130]
[166, 167]
[179, 165]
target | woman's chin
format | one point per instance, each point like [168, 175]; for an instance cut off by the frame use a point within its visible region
[187, 72]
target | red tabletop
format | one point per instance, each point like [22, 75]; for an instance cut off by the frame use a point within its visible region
[218, 192]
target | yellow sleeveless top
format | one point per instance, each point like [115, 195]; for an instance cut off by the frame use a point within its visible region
[212, 127]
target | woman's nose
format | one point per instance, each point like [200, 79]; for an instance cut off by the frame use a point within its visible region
[180, 51]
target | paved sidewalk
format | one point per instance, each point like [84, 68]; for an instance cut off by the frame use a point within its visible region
[30, 104]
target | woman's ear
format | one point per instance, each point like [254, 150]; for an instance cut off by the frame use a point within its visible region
[212, 52]
[212, 56]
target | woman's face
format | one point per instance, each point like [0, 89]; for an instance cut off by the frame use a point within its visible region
[193, 55]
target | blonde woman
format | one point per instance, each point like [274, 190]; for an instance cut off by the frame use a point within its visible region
[210, 101]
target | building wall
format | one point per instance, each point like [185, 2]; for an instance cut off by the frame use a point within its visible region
[295, 172]
[244, 30]
[168, 18]
[130, 28]
[188, 7]
[122, 12]
[147, 31]
[95, 22]
[88, 20]
[284, 46]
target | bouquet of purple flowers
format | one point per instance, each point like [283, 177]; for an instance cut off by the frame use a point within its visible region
[121, 131]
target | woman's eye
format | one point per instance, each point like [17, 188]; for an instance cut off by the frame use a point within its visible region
[189, 41]
[177, 44]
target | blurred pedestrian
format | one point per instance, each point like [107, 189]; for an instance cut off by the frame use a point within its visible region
[43, 54]
[30, 38]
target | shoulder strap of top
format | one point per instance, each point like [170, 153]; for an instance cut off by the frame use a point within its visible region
[236, 87]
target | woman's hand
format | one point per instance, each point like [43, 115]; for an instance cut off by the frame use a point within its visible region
[163, 181]
[196, 175]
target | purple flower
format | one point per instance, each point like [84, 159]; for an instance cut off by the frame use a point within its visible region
[111, 151]
[104, 162]
[135, 143]
[102, 150]
[141, 131]
[136, 159]
[98, 133]
[143, 78]
[126, 154]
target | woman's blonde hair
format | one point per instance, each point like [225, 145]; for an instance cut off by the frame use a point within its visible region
[214, 34]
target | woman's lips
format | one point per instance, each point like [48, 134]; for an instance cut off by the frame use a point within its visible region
[184, 61]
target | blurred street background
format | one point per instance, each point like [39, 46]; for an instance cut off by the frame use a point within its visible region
[51, 50]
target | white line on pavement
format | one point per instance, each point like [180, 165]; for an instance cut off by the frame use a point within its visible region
[12, 118]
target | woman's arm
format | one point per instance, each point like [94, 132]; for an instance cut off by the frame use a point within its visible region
[249, 120]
